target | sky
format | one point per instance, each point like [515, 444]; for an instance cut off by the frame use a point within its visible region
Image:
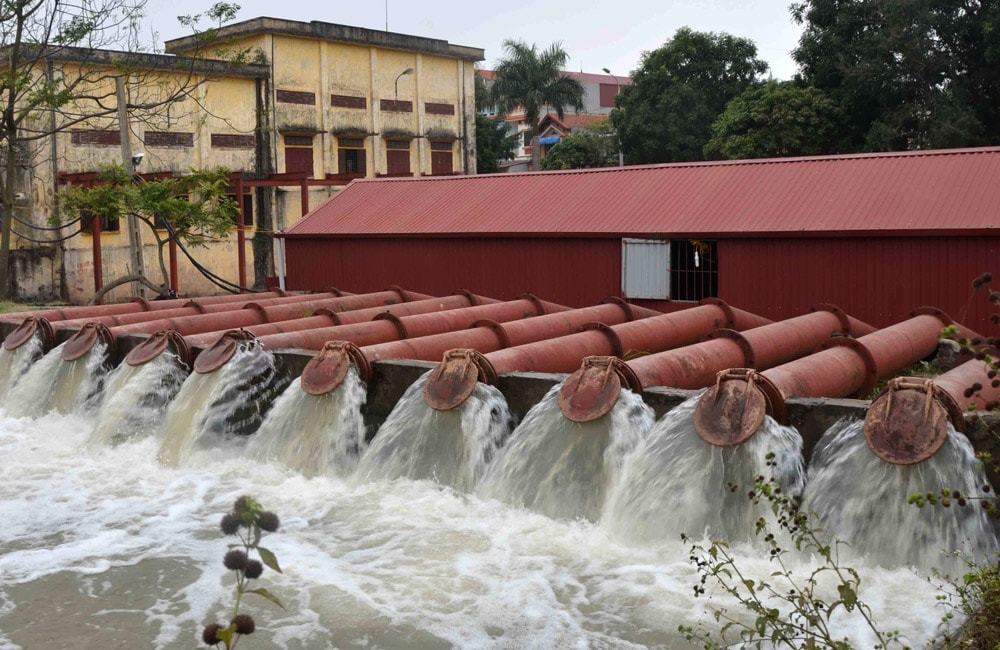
[595, 33]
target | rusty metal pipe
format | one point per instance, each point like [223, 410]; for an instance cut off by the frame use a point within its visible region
[84, 339]
[451, 383]
[591, 391]
[327, 318]
[323, 374]
[730, 412]
[384, 327]
[908, 422]
[194, 308]
[134, 306]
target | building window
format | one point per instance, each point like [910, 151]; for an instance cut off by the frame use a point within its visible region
[694, 269]
[247, 207]
[608, 93]
[675, 269]
[351, 156]
[95, 138]
[397, 157]
[348, 101]
[442, 159]
[167, 139]
[435, 108]
[527, 137]
[299, 154]
[107, 225]
[295, 97]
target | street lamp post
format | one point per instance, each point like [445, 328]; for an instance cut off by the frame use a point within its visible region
[404, 72]
[618, 89]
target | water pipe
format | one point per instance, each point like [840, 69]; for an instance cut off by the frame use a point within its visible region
[382, 328]
[732, 410]
[326, 370]
[453, 381]
[81, 342]
[594, 389]
[134, 306]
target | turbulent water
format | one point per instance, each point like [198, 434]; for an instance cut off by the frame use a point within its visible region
[315, 435]
[674, 482]
[14, 363]
[213, 412]
[52, 384]
[561, 468]
[110, 517]
[451, 447]
[108, 548]
[856, 497]
[135, 399]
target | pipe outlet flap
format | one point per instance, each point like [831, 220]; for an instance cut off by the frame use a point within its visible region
[83, 341]
[455, 378]
[908, 422]
[27, 329]
[326, 371]
[593, 390]
[732, 411]
[158, 343]
[221, 351]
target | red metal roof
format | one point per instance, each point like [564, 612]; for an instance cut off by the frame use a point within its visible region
[929, 192]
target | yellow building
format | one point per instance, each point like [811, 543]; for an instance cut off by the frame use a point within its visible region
[323, 104]
[348, 102]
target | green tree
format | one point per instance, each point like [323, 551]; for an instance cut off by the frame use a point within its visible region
[678, 91]
[585, 148]
[779, 119]
[195, 205]
[909, 74]
[494, 139]
[494, 142]
[57, 73]
[531, 80]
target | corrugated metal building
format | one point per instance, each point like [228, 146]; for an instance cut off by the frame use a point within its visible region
[876, 234]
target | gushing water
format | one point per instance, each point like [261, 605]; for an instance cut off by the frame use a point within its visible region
[14, 363]
[451, 447]
[136, 398]
[314, 434]
[561, 468]
[54, 384]
[211, 409]
[860, 499]
[675, 483]
[104, 547]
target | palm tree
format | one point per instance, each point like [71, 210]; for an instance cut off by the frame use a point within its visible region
[532, 80]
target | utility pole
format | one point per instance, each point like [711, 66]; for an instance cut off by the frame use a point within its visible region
[134, 236]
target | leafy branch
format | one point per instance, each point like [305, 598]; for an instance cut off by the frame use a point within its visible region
[785, 610]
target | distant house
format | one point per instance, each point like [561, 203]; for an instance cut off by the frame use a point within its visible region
[599, 92]
[876, 234]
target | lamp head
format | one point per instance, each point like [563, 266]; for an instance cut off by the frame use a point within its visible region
[137, 159]
[606, 71]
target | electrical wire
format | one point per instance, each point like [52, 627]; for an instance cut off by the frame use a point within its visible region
[218, 281]
[43, 241]
[33, 226]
